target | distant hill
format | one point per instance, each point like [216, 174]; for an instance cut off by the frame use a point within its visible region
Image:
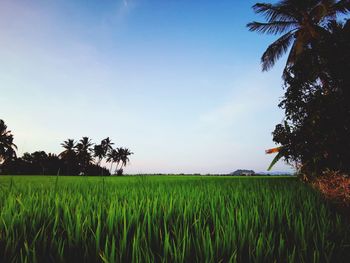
[243, 172]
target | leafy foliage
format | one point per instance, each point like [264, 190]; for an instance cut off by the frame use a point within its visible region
[315, 133]
[317, 105]
[300, 22]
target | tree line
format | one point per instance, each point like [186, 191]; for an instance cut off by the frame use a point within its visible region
[315, 133]
[81, 157]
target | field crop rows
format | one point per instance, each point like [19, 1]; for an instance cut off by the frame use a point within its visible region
[167, 219]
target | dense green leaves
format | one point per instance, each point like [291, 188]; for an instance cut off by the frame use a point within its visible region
[167, 219]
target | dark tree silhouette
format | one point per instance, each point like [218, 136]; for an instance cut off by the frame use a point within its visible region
[316, 131]
[99, 153]
[76, 158]
[106, 145]
[7, 147]
[300, 22]
[84, 154]
[122, 158]
[101, 150]
[36, 163]
[113, 157]
[69, 156]
[39, 158]
[313, 134]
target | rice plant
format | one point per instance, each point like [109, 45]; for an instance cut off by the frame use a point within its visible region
[167, 219]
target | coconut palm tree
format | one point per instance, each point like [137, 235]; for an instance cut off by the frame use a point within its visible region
[99, 153]
[7, 147]
[68, 155]
[69, 147]
[113, 157]
[101, 150]
[83, 149]
[299, 21]
[123, 158]
[106, 145]
[117, 158]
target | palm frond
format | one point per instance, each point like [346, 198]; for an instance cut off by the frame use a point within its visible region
[290, 60]
[276, 50]
[276, 27]
[343, 6]
[14, 146]
[274, 12]
[278, 156]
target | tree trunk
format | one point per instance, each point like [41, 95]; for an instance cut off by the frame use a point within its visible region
[111, 168]
[116, 168]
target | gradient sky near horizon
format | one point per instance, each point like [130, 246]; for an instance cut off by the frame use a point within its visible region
[178, 82]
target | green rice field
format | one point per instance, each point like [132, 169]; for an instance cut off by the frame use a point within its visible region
[167, 219]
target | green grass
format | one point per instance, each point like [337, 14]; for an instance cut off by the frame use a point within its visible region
[167, 219]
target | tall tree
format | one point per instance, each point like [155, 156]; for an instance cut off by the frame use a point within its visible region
[101, 151]
[307, 75]
[106, 145]
[315, 133]
[113, 157]
[84, 155]
[123, 158]
[7, 147]
[299, 22]
[69, 155]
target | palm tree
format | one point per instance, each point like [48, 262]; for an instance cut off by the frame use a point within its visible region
[113, 157]
[123, 158]
[69, 148]
[300, 21]
[68, 155]
[7, 147]
[118, 158]
[83, 149]
[99, 153]
[107, 145]
[101, 150]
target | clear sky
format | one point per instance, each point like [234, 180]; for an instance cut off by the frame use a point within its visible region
[178, 82]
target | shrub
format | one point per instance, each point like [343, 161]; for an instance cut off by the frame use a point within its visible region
[335, 186]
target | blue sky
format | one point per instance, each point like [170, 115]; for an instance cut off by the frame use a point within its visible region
[177, 82]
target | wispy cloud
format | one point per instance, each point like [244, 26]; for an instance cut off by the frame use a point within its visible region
[123, 10]
[248, 97]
